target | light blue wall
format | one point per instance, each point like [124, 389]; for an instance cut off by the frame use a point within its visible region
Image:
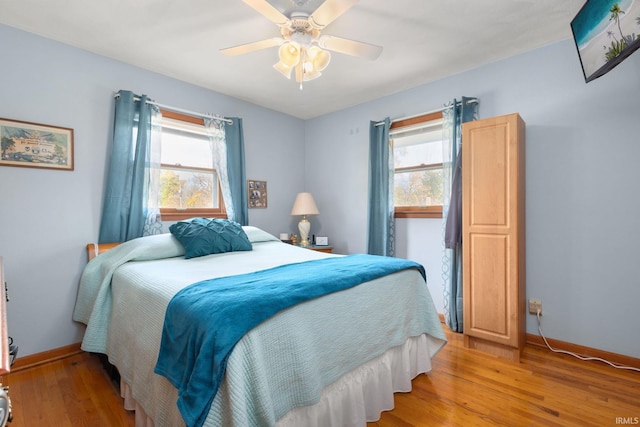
[48, 216]
[583, 203]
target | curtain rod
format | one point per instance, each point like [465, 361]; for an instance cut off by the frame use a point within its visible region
[180, 110]
[471, 101]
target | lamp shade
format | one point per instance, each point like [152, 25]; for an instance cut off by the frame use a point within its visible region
[283, 68]
[308, 72]
[320, 58]
[304, 205]
[289, 54]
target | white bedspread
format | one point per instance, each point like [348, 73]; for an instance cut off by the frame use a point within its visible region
[285, 362]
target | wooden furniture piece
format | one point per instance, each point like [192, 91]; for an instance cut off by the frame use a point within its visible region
[5, 363]
[493, 235]
[95, 249]
[4, 335]
[326, 249]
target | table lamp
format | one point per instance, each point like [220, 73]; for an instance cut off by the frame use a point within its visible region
[304, 205]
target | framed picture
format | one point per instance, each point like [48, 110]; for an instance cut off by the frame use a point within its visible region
[257, 194]
[35, 145]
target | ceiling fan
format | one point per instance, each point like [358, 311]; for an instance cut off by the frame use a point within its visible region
[302, 48]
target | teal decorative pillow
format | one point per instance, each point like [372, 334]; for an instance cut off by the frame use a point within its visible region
[203, 236]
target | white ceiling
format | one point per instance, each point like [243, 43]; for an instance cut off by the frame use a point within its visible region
[423, 40]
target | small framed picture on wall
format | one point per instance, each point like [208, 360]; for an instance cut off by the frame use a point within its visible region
[257, 194]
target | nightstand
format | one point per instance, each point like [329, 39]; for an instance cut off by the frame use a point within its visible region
[327, 249]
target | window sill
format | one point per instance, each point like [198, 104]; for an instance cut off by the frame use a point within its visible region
[418, 212]
[177, 215]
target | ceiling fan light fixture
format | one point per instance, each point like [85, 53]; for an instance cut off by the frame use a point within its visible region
[319, 57]
[289, 54]
[311, 75]
[299, 75]
[305, 71]
[302, 48]
[284, 69]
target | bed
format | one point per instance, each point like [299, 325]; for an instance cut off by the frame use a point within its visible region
[333, 360]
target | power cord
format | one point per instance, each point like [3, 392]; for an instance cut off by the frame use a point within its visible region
[630, 368]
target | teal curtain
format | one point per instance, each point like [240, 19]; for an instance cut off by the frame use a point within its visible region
[454, 114]
[128, 209]
[381, 221]
[236, 171]
[227, 146]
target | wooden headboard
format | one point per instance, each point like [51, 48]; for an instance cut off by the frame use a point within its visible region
[95, 249]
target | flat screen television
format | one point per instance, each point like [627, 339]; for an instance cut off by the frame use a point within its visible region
[606, 32]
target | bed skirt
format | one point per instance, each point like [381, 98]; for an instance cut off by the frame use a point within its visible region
[358, 397]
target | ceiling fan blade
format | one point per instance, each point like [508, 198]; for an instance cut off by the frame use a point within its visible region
[268, 11]
[328, 11]
[350, 47]
[251, 47]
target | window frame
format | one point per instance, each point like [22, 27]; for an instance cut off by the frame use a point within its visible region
[175, 214]
[434, 211]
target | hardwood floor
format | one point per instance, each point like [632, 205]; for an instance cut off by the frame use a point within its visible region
[465, 388]
[70, 392]
[469, 388]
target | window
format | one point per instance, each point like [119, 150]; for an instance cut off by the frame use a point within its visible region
[189, 184]
[417, 149]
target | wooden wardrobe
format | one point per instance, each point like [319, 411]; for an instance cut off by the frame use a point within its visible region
[493, 235]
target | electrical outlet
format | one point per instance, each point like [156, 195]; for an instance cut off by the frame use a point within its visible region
[535, 305]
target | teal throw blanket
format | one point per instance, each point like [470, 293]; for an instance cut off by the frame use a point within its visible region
[204, 321]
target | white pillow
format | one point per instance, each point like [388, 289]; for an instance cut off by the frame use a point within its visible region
[257, 235]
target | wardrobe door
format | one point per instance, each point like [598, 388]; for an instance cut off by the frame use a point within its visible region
[493, 235]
